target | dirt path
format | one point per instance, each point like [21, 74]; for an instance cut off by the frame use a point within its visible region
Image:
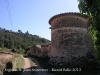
[27, 66]
[5, 56]
[27, 63]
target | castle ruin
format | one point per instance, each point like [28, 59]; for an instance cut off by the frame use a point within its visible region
[41, 50]
[71, 44]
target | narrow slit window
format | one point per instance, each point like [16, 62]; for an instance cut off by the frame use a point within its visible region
[77, 19]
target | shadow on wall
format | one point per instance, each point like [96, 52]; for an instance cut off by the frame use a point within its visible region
[43, 62]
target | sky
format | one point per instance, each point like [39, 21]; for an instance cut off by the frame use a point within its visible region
[33, 15]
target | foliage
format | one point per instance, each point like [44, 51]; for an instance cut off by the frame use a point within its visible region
[13, 50]
[19, 41]
[31, 62]
[92, 9]
[32, 65]
[15, 62]
[28, 52]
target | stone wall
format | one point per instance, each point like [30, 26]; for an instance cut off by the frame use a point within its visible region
[45, 49]
[70, 39]
[41, 50]
[49, 49]
[32, 50]
[35, 50]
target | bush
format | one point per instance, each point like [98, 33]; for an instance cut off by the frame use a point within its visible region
[13, 50]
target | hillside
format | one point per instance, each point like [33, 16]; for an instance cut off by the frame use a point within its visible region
[19, 40]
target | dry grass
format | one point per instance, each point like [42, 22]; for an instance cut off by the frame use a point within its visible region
[16, 59]
[4, 58]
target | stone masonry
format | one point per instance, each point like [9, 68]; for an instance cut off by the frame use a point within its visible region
[35, 50]
[41, 50]
[71, 44]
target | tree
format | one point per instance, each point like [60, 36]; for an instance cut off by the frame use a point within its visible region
[27, 32]
[19, 31]
[92, 9]
[2, 45]
[18, 40]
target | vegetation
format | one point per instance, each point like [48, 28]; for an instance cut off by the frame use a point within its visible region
[4, 61]
[18, 41]
[17, 61]
[3, 64]
[31, 62]
[32, 65]
[92, 9]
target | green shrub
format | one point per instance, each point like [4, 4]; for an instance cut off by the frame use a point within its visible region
[13, 50]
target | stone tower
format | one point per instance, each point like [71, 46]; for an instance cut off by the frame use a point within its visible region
[71, 44]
